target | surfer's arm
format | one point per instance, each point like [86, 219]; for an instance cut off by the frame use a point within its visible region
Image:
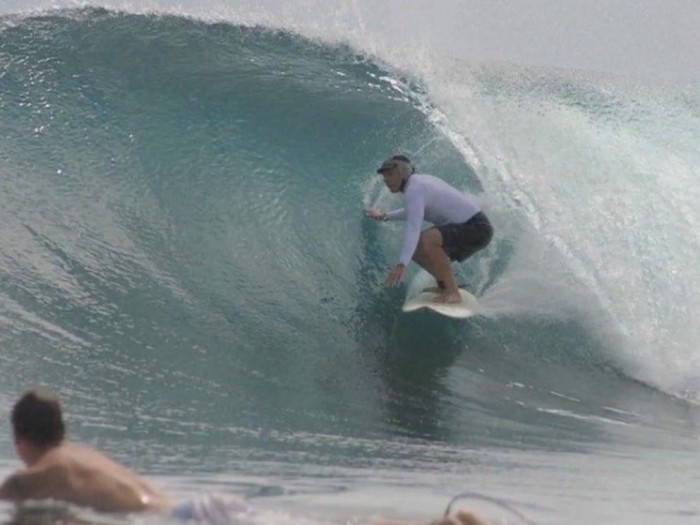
[382, 216]
[395, 215]
[414, 212]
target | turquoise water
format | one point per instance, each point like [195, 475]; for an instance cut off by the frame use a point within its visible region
[184, 260]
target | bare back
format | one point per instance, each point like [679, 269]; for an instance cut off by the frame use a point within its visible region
[84, 476]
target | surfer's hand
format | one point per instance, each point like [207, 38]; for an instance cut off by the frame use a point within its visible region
[376, 215]
[396, 274]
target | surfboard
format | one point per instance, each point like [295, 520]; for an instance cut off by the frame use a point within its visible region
[467, 308]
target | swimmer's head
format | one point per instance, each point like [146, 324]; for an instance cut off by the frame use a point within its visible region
[38, 420]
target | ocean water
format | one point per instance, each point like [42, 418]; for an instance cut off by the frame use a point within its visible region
[185, 261]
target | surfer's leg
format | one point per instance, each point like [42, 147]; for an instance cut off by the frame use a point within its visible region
[433, 259]
[468, 238]
[461, 241]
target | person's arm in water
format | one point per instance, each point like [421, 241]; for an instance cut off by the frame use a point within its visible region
[29, 483]
[461, 517]
[414, 213]
[9, 490]
[397, 272]
[393, 215]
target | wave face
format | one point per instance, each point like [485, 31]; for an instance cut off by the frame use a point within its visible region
[172, 216]
[184, 258]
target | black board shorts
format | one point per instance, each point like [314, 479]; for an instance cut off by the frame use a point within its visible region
[461, 241]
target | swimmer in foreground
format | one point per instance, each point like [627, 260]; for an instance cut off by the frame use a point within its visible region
[80, 475]
[69, 472]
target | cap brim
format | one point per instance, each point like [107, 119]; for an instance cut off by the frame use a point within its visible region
[386, 167]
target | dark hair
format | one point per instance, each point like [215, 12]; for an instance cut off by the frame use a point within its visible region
[37, 418]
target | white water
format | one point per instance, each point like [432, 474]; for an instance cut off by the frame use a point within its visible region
[651, 38]
[607, 174]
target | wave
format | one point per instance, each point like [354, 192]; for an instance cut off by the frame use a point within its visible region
[191, 186]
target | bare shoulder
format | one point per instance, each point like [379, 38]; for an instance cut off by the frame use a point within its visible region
[78, 456]
[78, 450]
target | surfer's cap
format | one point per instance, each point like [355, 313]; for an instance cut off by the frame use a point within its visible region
[392, 162]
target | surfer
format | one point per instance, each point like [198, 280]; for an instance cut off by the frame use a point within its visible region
[460, 228]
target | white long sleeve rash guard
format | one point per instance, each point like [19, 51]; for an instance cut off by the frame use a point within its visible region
[428, 198]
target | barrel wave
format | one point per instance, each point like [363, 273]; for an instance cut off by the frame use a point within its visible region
[183, 239]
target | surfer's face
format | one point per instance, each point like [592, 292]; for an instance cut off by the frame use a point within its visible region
[392, 179]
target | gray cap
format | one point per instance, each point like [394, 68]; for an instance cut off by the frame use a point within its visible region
[392, 162]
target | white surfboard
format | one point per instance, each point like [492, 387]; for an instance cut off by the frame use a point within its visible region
[467, 308]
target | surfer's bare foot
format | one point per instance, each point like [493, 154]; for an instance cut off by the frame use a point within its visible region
[448, 298]
[433, 289]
